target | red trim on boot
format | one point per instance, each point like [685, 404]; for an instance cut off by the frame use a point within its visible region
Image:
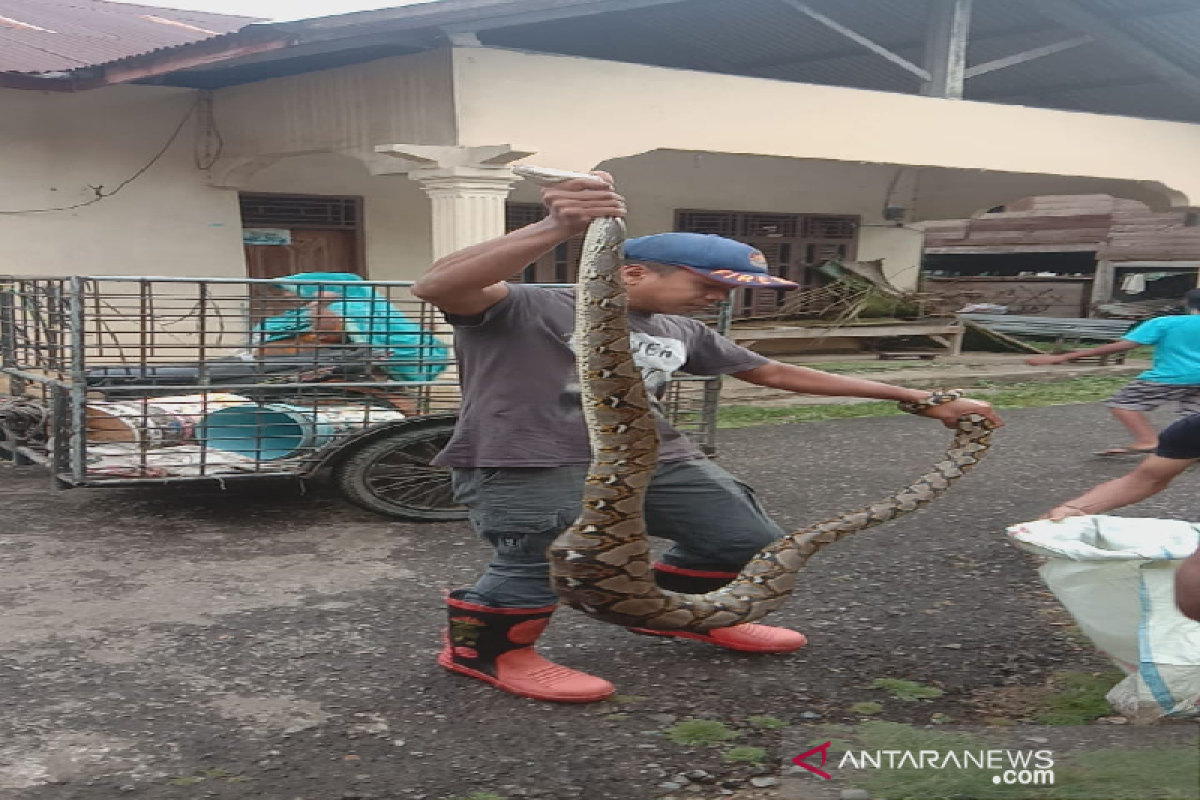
[745, 638]
[454, 602]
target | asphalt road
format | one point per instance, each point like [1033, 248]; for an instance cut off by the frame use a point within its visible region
[268, 643]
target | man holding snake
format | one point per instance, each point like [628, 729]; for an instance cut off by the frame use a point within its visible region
[520, 451]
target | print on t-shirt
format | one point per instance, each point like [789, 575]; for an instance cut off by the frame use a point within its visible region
[658, 357]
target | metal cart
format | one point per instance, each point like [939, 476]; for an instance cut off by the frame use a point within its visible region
[119, 381]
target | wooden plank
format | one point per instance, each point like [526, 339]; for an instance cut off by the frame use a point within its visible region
[1072, 204]
[1086, 247]
[1149, 251]
[1078, 235]
[1078, 328]
[1016, 344]
[1037, 237]
[948, 332]
[856, 330]
[1052, 212]
[998, 237]
[990, 279]
[1035, 222]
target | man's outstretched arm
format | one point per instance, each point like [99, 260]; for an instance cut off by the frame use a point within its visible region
[804, 380]
[1149, 478]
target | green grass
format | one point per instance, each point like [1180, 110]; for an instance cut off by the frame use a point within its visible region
[1087, 389]
[1078, 698]
[1119, 774]
[866, 708]
[745, 755]
[766, 723]
[626, 699]
[700, 732]
[853, 367]
[210, 775]
[1170, 772]
[906, 690]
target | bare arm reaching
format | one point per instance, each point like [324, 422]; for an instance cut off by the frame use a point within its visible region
[803, 380]
[1101, 350]
[471, 280]
[1149, 478]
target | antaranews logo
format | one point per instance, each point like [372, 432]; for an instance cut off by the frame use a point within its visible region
[877, 758]
[823, 749]
[1011, 767]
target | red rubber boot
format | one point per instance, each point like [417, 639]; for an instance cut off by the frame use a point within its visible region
[495, 645]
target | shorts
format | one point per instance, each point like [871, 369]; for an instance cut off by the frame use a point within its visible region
[1148, 395]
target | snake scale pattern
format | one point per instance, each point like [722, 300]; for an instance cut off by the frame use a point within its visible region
[601, 565]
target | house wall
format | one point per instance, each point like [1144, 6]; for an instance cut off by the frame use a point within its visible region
[396, 211]
[172, 220]
[657, 183]
[409, 99]
[168, 221]
[585, 111]
[673, 138]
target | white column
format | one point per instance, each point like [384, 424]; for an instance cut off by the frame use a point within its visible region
[467, 205]
[467, 187]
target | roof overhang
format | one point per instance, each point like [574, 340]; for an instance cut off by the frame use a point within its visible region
[1097, 56]
[262, 51]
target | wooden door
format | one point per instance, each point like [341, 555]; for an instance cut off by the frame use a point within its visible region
[291, 234]
[308, 251]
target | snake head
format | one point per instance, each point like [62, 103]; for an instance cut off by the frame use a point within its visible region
[548, 176]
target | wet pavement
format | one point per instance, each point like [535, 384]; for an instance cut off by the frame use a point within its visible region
[264, 642]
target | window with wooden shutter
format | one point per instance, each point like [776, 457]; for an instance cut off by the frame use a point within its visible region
[560, 265]
[300, 211]
[794, 245]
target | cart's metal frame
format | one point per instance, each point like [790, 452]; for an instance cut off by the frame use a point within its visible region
[71, 347]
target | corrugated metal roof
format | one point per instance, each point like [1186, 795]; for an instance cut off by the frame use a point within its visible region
[756, 38]
[61, 35]
[769, 39]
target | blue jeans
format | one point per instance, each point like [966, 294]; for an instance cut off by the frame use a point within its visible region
[714, 520]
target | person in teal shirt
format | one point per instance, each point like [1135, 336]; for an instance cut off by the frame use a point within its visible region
[1174, 375]
[363, 316]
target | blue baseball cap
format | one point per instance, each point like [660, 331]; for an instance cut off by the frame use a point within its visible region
[713, 257]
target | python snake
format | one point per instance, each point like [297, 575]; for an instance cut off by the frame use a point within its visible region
[601, 565]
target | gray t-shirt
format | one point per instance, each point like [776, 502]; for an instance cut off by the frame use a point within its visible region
[521, 401]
